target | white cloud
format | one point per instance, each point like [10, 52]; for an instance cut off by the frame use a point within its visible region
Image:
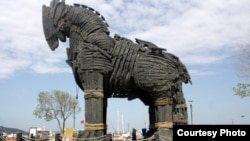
[23, 47]
[200, 73]
[198, 32]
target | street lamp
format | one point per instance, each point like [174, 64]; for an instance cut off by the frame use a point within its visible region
[74, 116]
[242, 116]
[191, 110]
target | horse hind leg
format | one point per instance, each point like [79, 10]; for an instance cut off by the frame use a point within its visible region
[166, 112]
[163, 109]
[180, 116]
[160, 119]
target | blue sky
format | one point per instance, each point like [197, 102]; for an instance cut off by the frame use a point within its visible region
[203, 34]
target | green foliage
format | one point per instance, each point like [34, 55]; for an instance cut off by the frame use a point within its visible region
[242, 55]
[57, 105]
[242, 90]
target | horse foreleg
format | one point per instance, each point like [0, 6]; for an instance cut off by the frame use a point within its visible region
[94, 102]
[95, 106]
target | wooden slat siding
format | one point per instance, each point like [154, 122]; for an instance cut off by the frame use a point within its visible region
[95, 57]
[180, 108]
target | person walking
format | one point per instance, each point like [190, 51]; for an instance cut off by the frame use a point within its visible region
[134, 134]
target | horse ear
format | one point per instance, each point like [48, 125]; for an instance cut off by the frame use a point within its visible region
[59, 12]
[49, 28]
[54, 2]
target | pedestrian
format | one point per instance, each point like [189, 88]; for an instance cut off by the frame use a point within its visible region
[134, 134]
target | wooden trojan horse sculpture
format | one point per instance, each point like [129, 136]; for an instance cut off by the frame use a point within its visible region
[106, 67]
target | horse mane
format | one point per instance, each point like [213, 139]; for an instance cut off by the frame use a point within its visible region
[93, 11]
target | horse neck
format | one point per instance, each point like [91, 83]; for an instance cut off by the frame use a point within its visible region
[77, 36]
[86, 20]
[82, 23]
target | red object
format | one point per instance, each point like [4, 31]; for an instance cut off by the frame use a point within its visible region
[82, 122]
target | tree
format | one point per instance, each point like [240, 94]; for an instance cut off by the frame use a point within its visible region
[57, 105]
[243, 60]
[242, 90]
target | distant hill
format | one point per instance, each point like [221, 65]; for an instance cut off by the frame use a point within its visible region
[12, 130]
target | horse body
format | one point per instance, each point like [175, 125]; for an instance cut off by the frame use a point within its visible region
[107, 67]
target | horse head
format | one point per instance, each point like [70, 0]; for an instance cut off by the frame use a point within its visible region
[59, 18]
[54, 26]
